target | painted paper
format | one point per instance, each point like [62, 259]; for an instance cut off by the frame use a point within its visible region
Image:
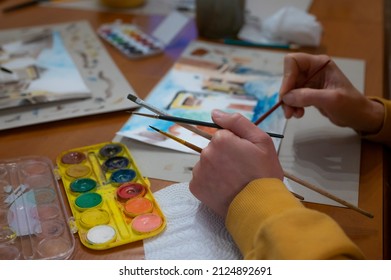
[211, 76]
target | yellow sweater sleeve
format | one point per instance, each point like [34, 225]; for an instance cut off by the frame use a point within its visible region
[384, 135]
[268, 222]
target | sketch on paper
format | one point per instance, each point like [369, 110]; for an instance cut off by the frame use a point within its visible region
[211, 76]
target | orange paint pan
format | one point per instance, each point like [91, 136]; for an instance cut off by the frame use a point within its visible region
[137, 206]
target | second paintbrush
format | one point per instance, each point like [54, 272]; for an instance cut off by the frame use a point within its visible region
[190, 121]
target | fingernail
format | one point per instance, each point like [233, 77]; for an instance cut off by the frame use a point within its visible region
[218, 114]
[288, 98]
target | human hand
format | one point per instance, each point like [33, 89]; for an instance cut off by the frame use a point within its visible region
[329, 91]
[235, 156]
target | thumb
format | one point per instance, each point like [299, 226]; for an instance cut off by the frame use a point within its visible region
[305, 97]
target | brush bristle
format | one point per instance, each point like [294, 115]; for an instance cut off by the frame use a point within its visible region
[132, 97]
[154, 128]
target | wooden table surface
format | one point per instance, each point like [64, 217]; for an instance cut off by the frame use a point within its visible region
[352, 29]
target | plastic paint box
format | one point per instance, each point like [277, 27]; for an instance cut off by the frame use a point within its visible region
[130, 40]
[33, 220]
[110, 200]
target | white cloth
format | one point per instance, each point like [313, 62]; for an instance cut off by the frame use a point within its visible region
[287, 25]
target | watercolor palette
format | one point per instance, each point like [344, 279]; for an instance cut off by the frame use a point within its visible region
[33, 221]
[130, 40]
[110, 200]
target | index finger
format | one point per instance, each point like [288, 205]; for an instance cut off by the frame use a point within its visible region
[297, 68]
[239, 125]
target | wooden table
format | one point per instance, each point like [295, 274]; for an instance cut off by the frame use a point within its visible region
[352, 29]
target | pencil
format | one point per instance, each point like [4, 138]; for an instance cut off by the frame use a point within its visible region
[193, 122]
[286, 174]
[279, 103]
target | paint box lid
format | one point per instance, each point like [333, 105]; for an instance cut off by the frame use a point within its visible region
[32, 210]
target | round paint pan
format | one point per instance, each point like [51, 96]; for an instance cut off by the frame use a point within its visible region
[9, 252]
[137, 206]
[55, 248]
[7, 235]
[47, 211]
[38, 181]
[130, 190]
[83, 185]
[50, 228]
[94, 217]
[78, 171]
[122, 176]
[101, 234]
[146, 223]
[115, 163]
[88, 200]
[43, 195]
[73, 158]
[34, 167]
[110, 150]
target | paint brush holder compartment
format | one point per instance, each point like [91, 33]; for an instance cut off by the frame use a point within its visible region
[110, 200]
[33, 220]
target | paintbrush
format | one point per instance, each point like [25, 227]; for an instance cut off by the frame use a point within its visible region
[279, 103]
[179, 140]
[5, 70]
[196, 148]
[326, 194]
[144, 104]
[287, 175]
[190, 121]
[23, 5]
